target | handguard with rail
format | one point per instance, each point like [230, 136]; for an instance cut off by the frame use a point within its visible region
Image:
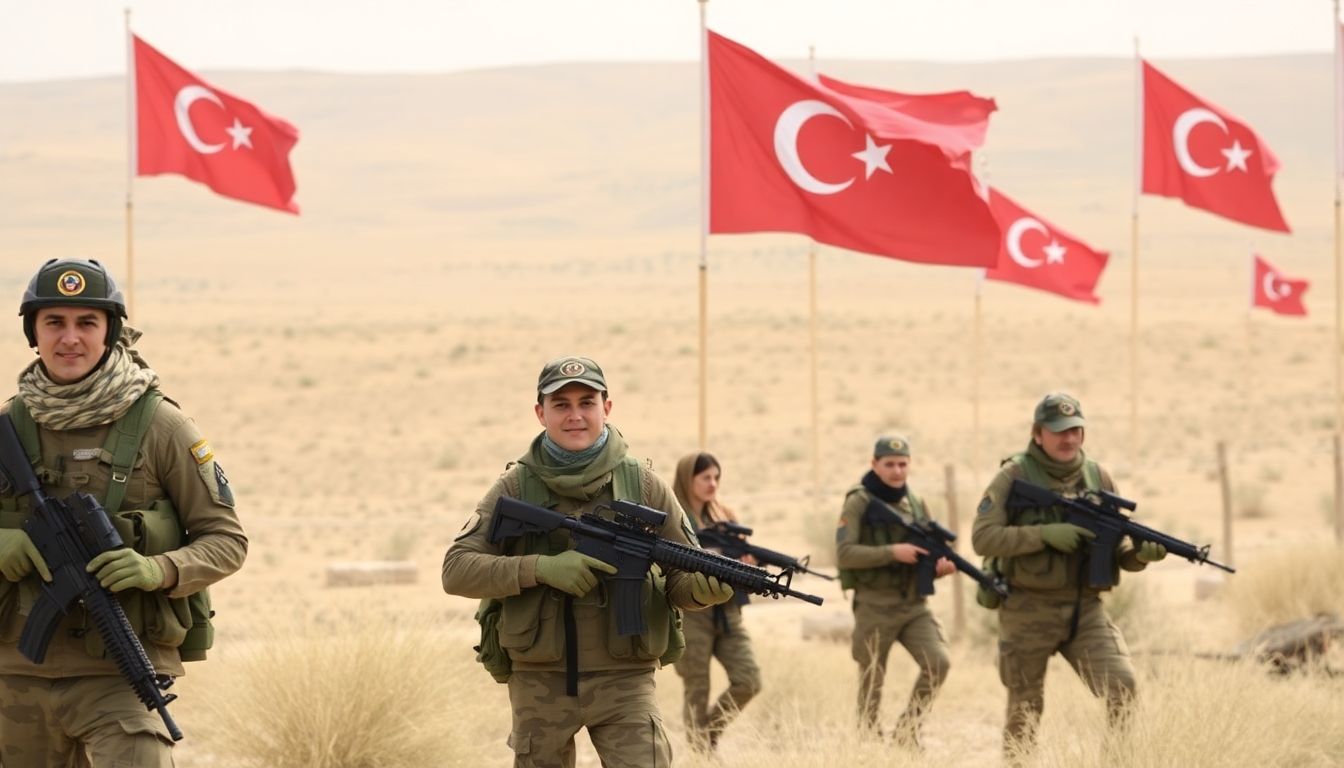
[1100, 512]
[630, 542]
[731, 539]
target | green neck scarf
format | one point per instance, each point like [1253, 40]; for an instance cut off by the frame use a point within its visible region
[581, 482]
[1065, 472]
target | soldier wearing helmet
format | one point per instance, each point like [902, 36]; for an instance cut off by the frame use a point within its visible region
[91, 410]
[1052, 608]
[877, 562]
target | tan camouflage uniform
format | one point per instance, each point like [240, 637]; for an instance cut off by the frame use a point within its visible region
[887, 610]
[51, 713]
[1035, 620]
[616, 685]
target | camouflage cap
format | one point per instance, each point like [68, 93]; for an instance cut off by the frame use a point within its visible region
[570, 370]
[891, 445]
[1058, 411]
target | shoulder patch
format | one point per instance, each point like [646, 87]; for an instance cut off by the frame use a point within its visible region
[217, 483]
[985, 506]
[201, 452]
[469, 527]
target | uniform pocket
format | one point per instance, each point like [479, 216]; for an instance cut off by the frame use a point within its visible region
[1046, 569]
[520, 742]
[528, 626]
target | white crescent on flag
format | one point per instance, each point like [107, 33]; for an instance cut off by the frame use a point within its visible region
[1180, 137]
[1270, 292]
[181, 107]
[790, 122]
[1012, 241]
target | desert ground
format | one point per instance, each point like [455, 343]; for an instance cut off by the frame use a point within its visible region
[366, 369]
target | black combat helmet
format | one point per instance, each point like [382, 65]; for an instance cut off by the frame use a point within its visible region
[73, 282]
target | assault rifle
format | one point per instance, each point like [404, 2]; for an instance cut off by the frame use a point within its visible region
[936, 540]
[731, 539]
[631, 543]
[69, 534]
[1099, 512]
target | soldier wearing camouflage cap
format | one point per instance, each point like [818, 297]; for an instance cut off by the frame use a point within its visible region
[1052, 609]
[553, 638]
[91, 412]
[877, 562]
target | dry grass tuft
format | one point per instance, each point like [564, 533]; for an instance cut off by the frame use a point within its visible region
[1288, 585]
[373, 698]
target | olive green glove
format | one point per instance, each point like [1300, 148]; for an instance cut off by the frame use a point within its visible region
[570, 571]
[1064, 537]
[122, 569]
[707, 590]
[1150, 552]
[18, 556]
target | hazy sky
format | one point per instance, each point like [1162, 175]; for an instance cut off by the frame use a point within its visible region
[49, 39]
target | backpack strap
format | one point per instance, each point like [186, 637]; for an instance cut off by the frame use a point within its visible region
[1091, 475]
[26, 429]
[123, 445]
[625, 481]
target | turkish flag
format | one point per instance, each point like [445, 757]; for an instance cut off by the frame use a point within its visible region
[960, 117]
[185, 125]
[1199, 153]
[790, 155]
[1273, 291]
[1037, 254]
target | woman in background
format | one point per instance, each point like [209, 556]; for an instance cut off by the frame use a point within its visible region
[717, 632]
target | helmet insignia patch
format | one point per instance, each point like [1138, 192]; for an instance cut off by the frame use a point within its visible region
[70, 283]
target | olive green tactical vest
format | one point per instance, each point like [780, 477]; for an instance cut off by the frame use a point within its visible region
[152, 531]
[895, 576]
[1046, 569]
[626, 485]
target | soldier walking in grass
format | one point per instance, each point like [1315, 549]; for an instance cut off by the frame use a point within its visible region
[877, 562]
[555, 641]
[90, 415]
[1052, 609]
[717, 633]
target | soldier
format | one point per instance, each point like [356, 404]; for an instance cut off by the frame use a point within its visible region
[570, 669]
[90, 413]
[717, 633]
[878, 564]
[1052, 608]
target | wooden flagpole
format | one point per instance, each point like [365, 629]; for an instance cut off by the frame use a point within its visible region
[812, 339]
[1339, 283]
[1134, 267]
[130, 170]
[704, 225]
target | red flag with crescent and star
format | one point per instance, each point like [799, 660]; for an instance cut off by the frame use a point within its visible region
[791, 155]
[187, 126]
[1271, 290]
[1195, 151]
[1037, 254]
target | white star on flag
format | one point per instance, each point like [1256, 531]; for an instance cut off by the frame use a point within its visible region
[1236, 156]
[242, 135]
[873, 157]
[1054, 252]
